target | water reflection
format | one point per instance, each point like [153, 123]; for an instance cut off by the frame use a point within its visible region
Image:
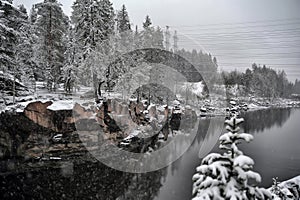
[277, 155]
[80, 180]
[274, 153]
[258, 121]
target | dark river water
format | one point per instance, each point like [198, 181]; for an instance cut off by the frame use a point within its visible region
[275, 149]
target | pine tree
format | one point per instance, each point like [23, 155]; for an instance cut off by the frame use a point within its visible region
[93, 24]
[33, 15]
[228, 175]
[124, 30]
[8, 35]
[147, 33]
[147, 22]
[12, 21]
[70, 68]
[123, 23]
[24, 50]
[51, 26]
[158, 38]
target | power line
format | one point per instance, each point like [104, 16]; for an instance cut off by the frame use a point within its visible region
[277, 64]
[278, 31]
[286, 25]
[282, 39]
[235, 23]
[227, 39]
[203, 42]
[257, 35]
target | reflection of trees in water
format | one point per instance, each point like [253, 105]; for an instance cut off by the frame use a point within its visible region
[202, 132]
[78, 181]
[86, 180]
[144, 186]
[17, 134]
[202, 129]
[258, 121]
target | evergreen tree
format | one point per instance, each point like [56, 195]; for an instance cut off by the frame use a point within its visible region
[24, 51]
[33, 15]
[51, 27]
[147, 33]
[124, 29]
[296, 87]
[70, 69]
[158, 38]
[38, 72]
[12, 34]
[147, 22]
[8, 35]
[228, 175]
[123, 23]
[93, 25]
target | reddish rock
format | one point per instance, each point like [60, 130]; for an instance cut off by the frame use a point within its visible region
[58, 121]
[38, 112]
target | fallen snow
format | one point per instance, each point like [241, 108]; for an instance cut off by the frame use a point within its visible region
[254, 106]
[132, 134]
[61, 105]
[196, 88]
[19, 107]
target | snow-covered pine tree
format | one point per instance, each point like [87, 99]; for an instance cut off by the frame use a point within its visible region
[123, 23]
[108, 19]
[147, 33]
[151, 37]
[124, 31]
[276, 190]
[38, 72]
[51, 26]
[12, 21]
[8, 35]
[24, 50]
[158, 38]
[228, 175]
[70, 69]
[33, 15]
[93, 22]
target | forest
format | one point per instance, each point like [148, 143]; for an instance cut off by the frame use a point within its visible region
[48, 46]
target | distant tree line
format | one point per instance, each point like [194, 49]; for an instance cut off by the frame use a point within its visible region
[260, 81]
[296, 88]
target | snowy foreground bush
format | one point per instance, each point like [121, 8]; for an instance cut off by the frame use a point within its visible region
[286, 190]
[229, 175]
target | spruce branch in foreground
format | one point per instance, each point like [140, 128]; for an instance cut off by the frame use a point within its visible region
[229, 175]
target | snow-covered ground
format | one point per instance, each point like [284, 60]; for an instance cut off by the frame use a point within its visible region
[61, 100]
[289, 189]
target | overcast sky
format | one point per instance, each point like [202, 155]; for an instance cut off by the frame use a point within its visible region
[237, 32]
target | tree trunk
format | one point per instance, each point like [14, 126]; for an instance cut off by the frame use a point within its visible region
[99, 87]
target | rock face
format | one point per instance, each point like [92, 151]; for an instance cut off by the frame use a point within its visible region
[15, 130]
[58, 121]
[34, 131]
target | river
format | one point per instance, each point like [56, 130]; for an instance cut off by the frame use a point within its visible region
[275, 150]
